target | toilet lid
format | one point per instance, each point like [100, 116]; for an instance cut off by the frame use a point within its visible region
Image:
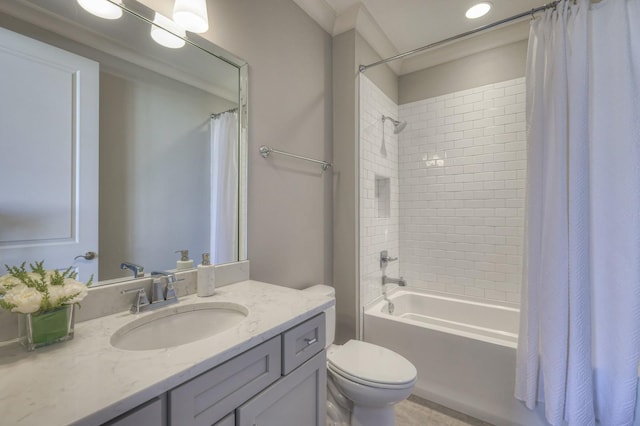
[372, 363]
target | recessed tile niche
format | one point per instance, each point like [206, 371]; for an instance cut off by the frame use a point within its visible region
[383, 197]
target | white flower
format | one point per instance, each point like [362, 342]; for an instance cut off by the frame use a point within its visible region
[8, 281]
[72, 287]
[56, 292]
[26, 300]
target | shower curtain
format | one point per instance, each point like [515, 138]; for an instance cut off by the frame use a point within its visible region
[224, 187]
[580, 314]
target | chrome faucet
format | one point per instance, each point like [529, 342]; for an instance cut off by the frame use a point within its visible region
[169, 293]
[136, 269]
[162, 293]
[385, 258]
[387, 280]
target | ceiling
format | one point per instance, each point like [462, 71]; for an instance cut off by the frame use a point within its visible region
[397, 26]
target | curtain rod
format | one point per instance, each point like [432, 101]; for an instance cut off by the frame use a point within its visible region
[223, 112]
[363, 68]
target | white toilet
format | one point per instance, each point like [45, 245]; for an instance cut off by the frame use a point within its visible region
[364, 380]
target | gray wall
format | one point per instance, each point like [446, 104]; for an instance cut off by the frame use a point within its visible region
[349, 51]
[289, 56]
[381, 75]
[491, 66]
[345, 193]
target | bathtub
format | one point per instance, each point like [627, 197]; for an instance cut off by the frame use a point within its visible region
[464, 350]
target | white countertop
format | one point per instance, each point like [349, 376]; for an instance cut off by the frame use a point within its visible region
[88, 381]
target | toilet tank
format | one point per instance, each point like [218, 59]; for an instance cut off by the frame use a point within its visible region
[330, 313]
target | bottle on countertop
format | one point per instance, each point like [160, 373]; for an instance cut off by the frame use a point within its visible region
[184, 262]
[206, 277]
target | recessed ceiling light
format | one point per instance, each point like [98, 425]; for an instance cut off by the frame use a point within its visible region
[478, 10]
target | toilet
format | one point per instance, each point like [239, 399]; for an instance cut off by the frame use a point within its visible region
[364, 381]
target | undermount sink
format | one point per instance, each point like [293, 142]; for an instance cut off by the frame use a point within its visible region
[178, 325]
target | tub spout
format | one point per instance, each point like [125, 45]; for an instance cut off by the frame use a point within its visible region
[388, 280]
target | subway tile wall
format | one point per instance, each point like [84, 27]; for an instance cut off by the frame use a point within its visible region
[379, 198]
[462, 171]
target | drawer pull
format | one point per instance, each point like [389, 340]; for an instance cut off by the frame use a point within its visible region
[310, 341]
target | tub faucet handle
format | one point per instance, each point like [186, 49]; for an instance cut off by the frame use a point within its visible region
[385, 258]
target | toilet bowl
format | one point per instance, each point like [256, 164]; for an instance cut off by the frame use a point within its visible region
[365, 380]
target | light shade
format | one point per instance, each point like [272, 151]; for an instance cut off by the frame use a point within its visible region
[478, 10]
[166, 38]
[191, 15]
[102, 8]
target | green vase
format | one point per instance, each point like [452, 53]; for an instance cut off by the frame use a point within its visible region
[44, 328]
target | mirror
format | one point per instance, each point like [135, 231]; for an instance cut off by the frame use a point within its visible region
[166, 126]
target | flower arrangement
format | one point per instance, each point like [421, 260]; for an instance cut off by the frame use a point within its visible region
[40, 290]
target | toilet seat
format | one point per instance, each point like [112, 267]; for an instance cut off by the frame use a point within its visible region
[376, 385]
[371, 365]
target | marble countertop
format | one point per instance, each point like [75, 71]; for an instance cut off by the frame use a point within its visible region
[87, 381]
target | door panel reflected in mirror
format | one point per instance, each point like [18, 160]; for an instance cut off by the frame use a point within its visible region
[172, 152]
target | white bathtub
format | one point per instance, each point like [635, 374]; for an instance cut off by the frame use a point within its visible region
[464, 350]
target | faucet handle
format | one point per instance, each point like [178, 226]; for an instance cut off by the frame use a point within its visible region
[156, 291]
[141, 299]
[170, 291]
[385, 258]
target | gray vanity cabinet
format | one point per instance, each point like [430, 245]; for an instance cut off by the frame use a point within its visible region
[281, 382]
[208, 398]
[152, 413]
[230, 420]
[297, 399]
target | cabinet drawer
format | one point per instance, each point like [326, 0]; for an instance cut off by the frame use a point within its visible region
[302, 342]
[151, 413]
[211, 396]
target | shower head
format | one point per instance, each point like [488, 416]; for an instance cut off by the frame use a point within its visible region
[398, 126]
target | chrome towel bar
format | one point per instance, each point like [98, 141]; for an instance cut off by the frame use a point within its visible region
[265, 151]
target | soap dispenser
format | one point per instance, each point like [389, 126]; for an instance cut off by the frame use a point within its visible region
[206, 277]
[184, 262]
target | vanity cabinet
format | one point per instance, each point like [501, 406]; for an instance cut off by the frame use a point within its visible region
[281, 382]
[296, 399]
[151, 413]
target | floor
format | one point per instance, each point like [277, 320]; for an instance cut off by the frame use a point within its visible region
[419, 412]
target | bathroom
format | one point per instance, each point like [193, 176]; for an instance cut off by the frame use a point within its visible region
[303, 224]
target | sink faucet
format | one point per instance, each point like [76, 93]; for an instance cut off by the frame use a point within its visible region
[162, 293]
[136, 269]
[169, 293]
[387, 280]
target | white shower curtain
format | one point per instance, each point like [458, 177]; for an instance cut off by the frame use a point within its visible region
[224, 188]
[580, 314]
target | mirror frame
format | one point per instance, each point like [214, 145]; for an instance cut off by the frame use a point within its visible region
[34, 14]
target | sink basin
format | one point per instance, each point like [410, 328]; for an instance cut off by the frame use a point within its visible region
[178, 325]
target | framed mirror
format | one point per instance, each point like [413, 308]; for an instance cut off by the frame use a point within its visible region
[116, 145]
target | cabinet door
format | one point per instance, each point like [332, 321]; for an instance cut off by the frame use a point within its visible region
[230, 420]
[297, 399]
[151, 413]
[209, 397]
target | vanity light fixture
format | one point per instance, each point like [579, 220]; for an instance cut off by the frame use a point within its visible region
[478, 10]
[102, 8]
[191, 15]
[169, 37]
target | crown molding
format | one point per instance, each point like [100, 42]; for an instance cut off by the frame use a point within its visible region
[320, 11]
[355, 17]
